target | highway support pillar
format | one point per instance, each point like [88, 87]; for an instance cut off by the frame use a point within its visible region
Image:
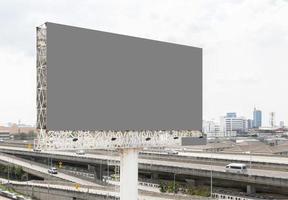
[154, 176]
[129, 174]
[250, 189]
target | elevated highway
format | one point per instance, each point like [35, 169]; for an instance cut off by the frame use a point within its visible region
[69, 191]
[41, 171]
[180, 165]
[261, 159]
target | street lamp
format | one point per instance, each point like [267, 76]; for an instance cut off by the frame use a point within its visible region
[250, 158]
[174, 185]
[211, 182]
[8, 172]
[211, 168]
[27, 178]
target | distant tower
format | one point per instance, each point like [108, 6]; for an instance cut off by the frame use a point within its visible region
[249, 123]
[257, 118]
[281, 124]
[19, 122]
[272, 119]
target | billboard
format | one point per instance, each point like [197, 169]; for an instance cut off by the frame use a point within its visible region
[104, 81]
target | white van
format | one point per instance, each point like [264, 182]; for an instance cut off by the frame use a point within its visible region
[236, 168]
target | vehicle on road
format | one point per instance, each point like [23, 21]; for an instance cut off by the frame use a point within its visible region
[80, 152]
[52, 170]
[238, 168]
[172, 152]
[37, 150]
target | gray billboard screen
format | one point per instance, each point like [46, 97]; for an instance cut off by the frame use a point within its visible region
[104, 81]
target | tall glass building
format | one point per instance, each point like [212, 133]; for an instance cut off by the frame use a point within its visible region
[231, 114]
[257, 118]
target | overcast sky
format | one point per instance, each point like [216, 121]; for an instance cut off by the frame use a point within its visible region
[245, 45]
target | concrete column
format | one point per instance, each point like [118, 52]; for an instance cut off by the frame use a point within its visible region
[101, 172]
[97, 173]
[251, 189]
[129, 174]
[92, 168]
[200, 182]
[155, 176]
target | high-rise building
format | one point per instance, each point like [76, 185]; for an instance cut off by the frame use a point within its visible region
[249, 123]
[231, 124]
[257, 118]
[281, 124]
[209, 126]
[272, 119]
[231, 114]
[212, 129]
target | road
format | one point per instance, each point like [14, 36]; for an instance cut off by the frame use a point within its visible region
[44, 170]
[112, 192]
[239, 157]
[3, 198]
[252, 172]
[221, 156]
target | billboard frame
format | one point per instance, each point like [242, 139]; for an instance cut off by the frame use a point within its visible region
[128, 142]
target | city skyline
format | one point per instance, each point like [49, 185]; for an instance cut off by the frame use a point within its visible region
[265, 116]
[244, 44]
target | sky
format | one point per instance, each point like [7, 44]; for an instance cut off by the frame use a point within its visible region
[245, 46]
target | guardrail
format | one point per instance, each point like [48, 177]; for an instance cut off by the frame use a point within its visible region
[11, 195]
[265, 179]
[220, 196]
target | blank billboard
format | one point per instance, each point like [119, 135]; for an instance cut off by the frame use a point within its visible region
[105, 81]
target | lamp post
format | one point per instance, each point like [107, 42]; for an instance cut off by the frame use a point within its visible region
[8, 172]
[27, 178]
[211, 171]
[174, 185]
[250, 158]
[211, 182]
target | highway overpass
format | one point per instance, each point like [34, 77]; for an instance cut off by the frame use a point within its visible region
[40, 171]
[66, 191]
[179, 165]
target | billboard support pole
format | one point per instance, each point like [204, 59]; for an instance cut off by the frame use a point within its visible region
[129, 174]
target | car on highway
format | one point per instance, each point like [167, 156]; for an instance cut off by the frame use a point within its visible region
[80, 152]
[36, 149]
[52, 170]
[238, 168]
[171, 152]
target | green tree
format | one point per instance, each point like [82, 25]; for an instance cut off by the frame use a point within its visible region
[19, 172]
[163, 187]
[200, 191]
[173, 187]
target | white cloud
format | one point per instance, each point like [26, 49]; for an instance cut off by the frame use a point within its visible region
[17, 86]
